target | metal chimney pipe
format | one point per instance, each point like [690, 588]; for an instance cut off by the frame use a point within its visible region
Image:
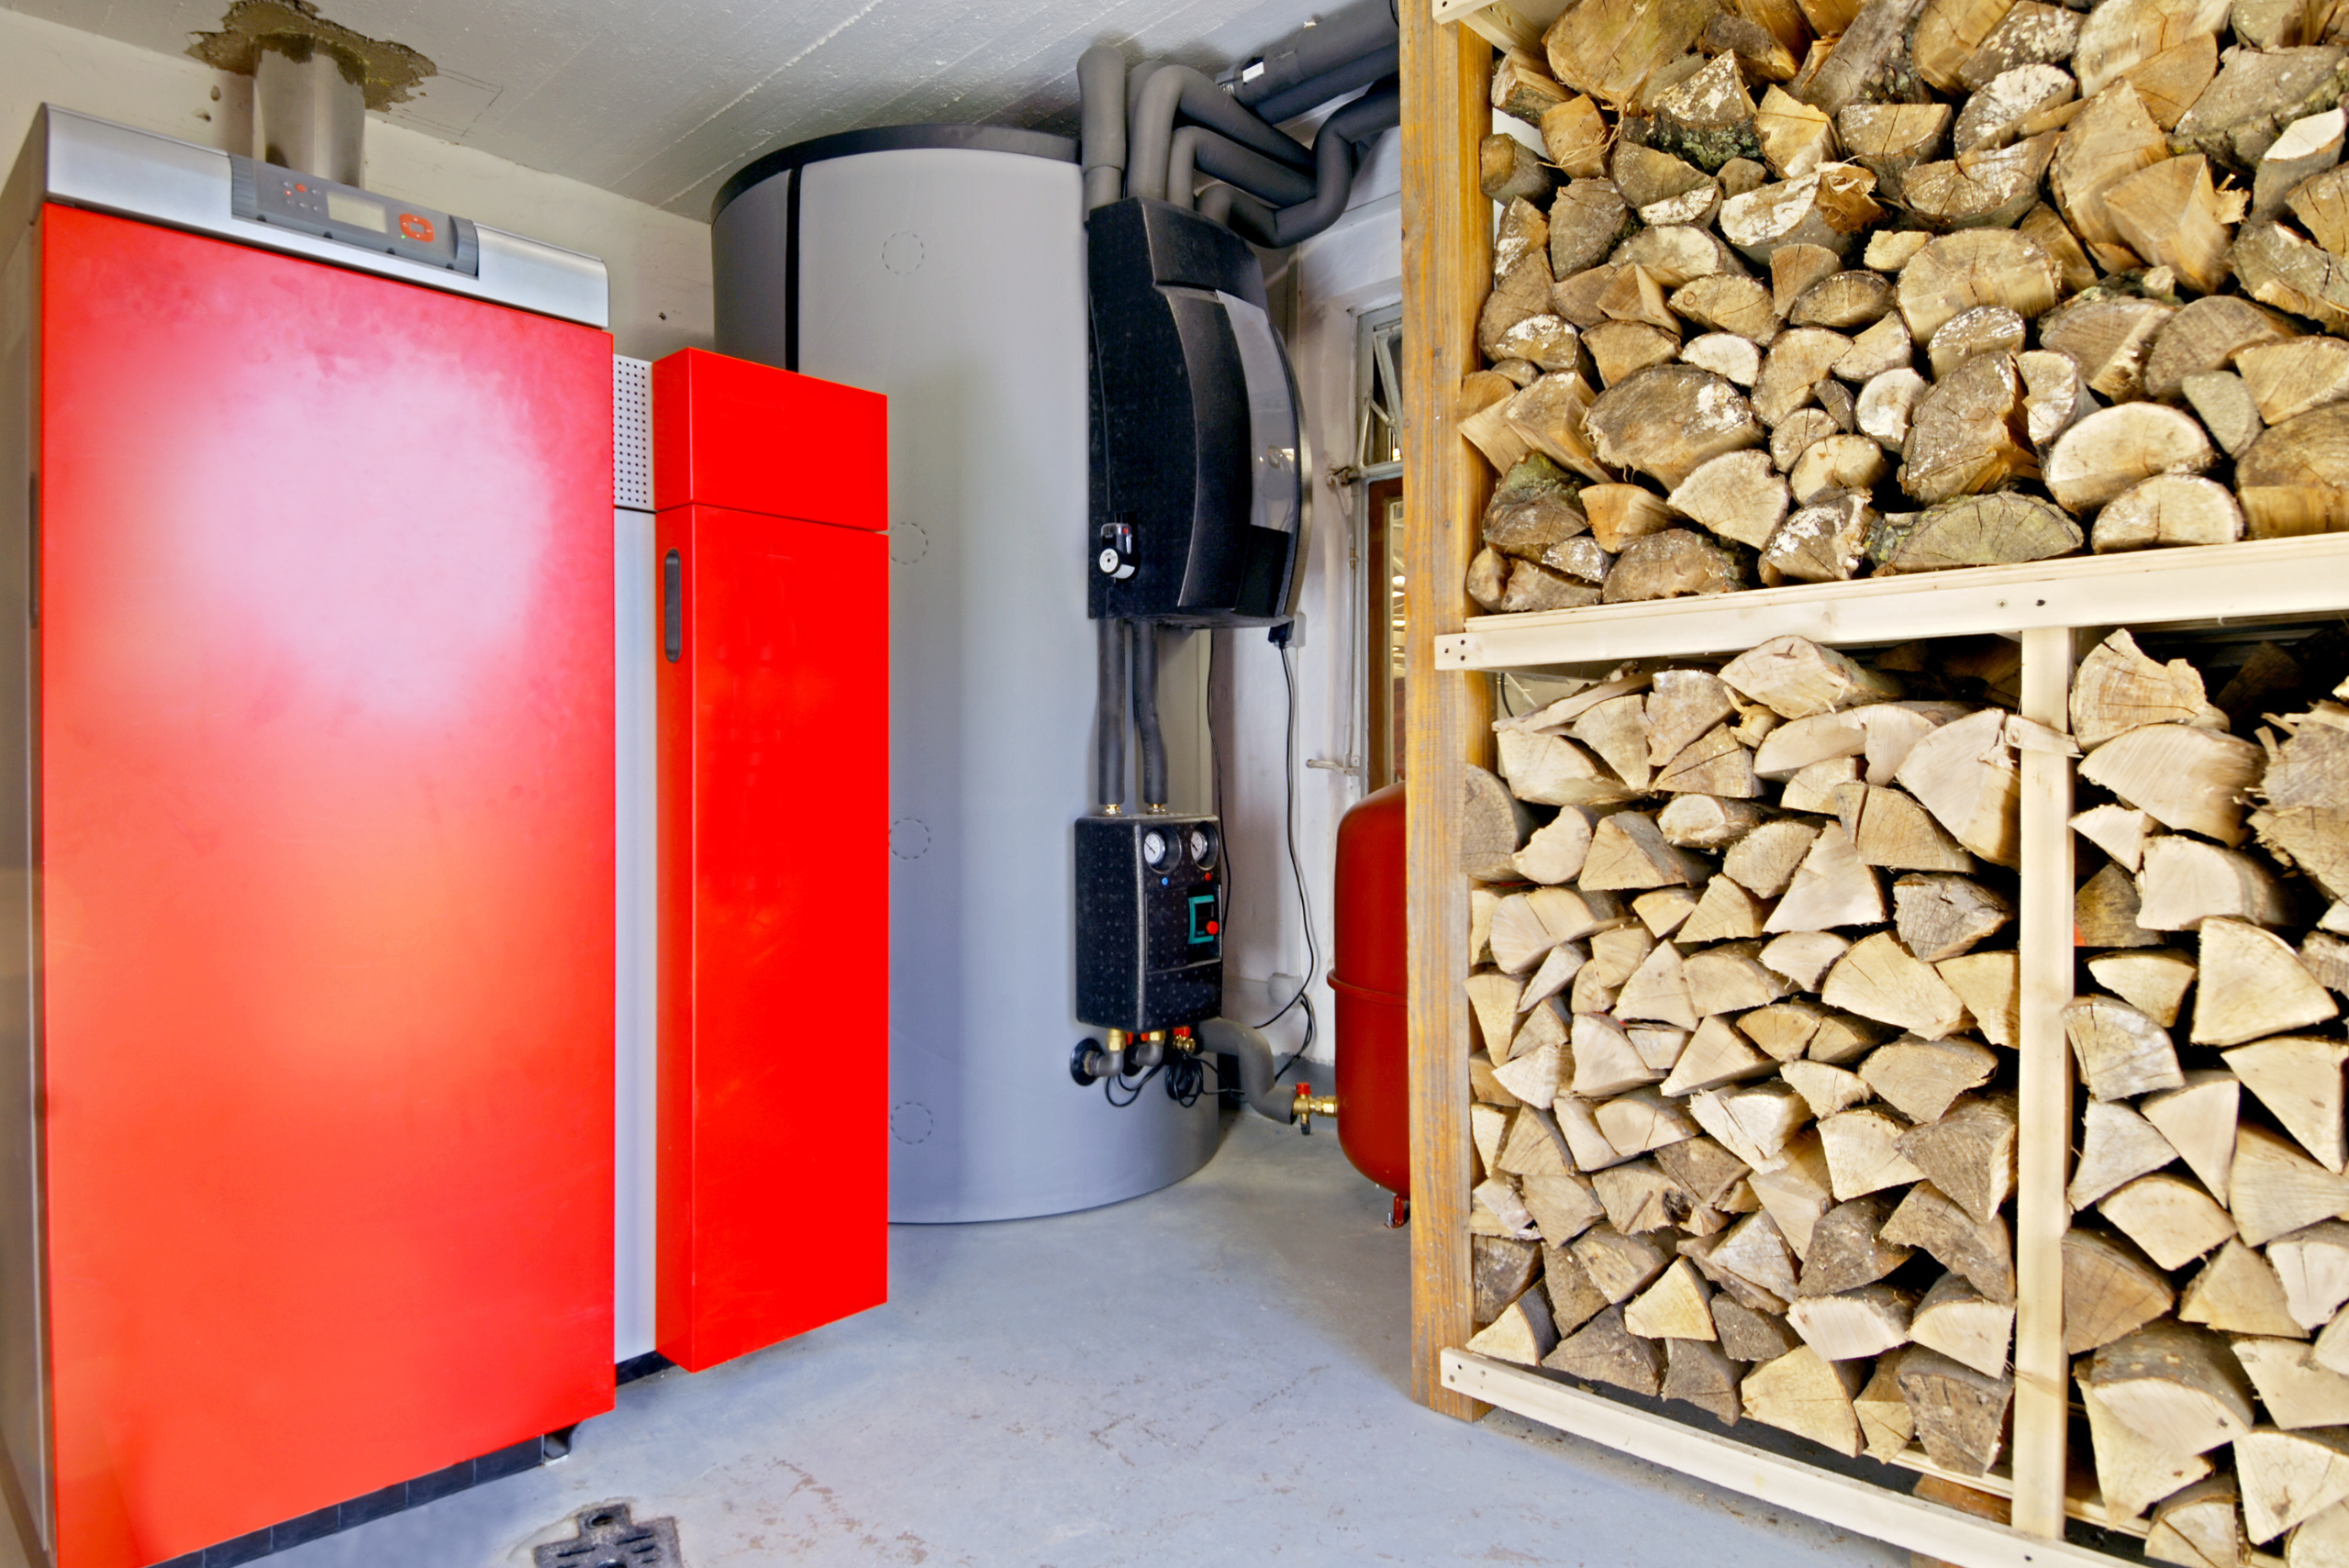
[309, 110]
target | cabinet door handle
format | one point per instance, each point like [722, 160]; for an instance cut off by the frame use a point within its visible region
[673, 605]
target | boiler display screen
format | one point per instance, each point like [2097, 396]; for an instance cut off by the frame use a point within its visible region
[350, 209]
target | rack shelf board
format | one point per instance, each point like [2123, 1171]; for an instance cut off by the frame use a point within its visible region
[2260, 580]
[1504, 24]
[1860, 1507]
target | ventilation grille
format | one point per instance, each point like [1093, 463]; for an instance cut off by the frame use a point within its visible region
[632, 433]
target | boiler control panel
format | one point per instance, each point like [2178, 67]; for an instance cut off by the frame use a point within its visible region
[264, 193]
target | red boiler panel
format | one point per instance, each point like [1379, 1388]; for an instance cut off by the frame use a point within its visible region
[1371, 976]
[773, 691]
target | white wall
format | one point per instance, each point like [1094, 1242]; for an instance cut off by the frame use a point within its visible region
[1354, 267]
[659, 261]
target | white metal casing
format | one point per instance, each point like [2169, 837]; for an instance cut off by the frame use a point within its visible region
[953, 280]
[636, 800]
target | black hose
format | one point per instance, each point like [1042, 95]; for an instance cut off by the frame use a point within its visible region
[1154, 744]
[1333, 156]
[1317, 48]
[1109, 716]
[1353, 75]
[1198, 149]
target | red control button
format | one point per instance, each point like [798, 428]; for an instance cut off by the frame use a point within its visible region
[1211, 928]
[417, 227]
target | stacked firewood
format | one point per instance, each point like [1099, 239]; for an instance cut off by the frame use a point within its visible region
[1747, 998]
[2206, 1269]
[1799, 292]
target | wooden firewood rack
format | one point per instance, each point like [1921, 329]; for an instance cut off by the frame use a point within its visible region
[2054, 609]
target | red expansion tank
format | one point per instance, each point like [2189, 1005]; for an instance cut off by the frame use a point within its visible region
[1371, 977]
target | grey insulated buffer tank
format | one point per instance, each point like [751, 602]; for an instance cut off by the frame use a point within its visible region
[946, 267]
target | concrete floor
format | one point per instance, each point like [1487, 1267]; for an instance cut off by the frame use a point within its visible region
[1213, 1374]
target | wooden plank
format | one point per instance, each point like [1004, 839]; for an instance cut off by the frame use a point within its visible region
[1504, 24]
[1860, 1507]
[2044, 1101]
[1447, 264]
[2211, 583]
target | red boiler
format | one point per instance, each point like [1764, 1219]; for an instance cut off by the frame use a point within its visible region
[1371, 977]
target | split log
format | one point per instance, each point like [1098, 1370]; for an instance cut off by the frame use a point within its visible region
[2312, 1265]
[1736, 496]
[2199, 1527]
[1886, 1428]
[1962, 433]
[1921, 1078]
[1848, 1249]
[1726, 912]
[1982, 1250]
[1531, 1073]
[2186, 882]
[1843, 301]
[2273, 1188]
[1730, 304]
[1617, 731]
[2299, 1079]
[2170, 1217]
[1879, 979]
[1988, 984]
[1863, 1150]
[1765, 861]
[1603, 1350]
[1832, 888]
[2117, 688]
[1605, 1061]
[1755, 1122]
[1576, 134]
[2199, 1121]
[1747, 1335]
[1509, 170]
[2289, 379]
[1674, 1307]
[2002, 528]
[1855, 1325]
[1550, 769]
[1795, 745]
[1671, 564]
[2132, 1473]
[1804, 957]
[1556, 850]
[2249, 984]
[2113, 448]
[1619, 1266]
[1752, 1258]
[2107, 335]
[1961, 1323]
[2173, 1385]
[2170, 214]
[1697, 1372]
[1984, 329]
[1500, 1271]
[1813, 789]
[1938, 915]
[1588, 218]
[1803, 1392]
[1983, 189]
[2119, 830]
[2237, 1293]
[1826, 1090]
[1668, 420]
[1637, 1123]
[2110, 1289]
[1492, 824]
[1827, 207]
[1563, 1208]
[2225, 408]
[1621, 514]
[1658, 991]
[1968, 1155]
[1960, 1413]
[1521, 1333]
[2255, 96]
[1825, 540]
[1796, 1194]
[1706, 822]
[2287, 1477]
[1800, 359]
[2296, 1393]
[1664, 910]
[2121, 1052]
[2135, 32]
[1795, 678]
[1974, 267]
[2186, 778]
[2117, 1146]
[2321, 1541]
[2304, 811]
[1730, 978]
[1965, 774]
[2105, 911]
[2151, 980]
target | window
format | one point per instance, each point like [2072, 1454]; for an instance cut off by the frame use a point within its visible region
[1378, 466]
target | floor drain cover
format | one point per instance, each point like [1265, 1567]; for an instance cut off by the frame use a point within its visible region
[608, 1537]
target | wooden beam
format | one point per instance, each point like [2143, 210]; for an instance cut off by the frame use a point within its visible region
[1862, 1507]
[1447, 263]
[2199, 584]
[2044, 1101]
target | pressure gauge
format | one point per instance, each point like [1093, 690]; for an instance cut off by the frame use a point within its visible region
[1203, 847]
[1156, 852]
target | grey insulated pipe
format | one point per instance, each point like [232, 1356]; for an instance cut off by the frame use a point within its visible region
[1154, 744]
[1333, 154]
[1172, 89]
[1101, 100]
[1320, 47]
[1258, 1083]
[1351, 77]
[1199, 150]
[1109, 716]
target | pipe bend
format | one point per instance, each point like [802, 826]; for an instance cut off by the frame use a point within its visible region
[1258, 1082]
[1171, 88]
[1197, 150]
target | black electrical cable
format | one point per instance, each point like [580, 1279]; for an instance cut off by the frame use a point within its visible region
[1297, 871]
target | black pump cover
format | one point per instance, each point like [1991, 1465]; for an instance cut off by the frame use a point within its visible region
[1197, 503]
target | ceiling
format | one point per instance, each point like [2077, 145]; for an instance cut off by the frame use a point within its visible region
[660, 102]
